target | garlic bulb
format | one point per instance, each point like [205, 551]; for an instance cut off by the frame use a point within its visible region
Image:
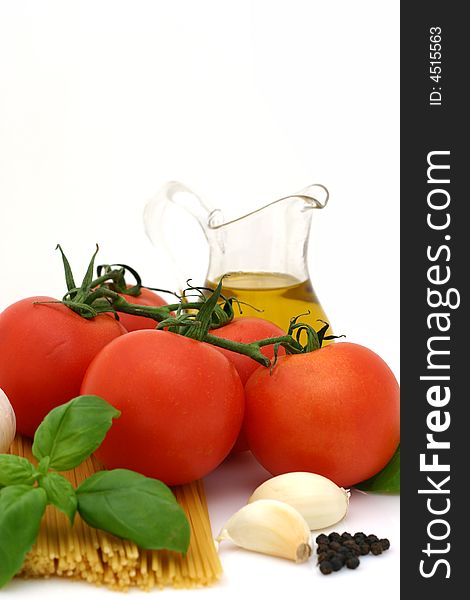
[270, 527]
[320, 501]
[7, 423]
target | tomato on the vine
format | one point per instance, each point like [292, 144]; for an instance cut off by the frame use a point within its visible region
[333, 411]
[45, 350]
[181, 400]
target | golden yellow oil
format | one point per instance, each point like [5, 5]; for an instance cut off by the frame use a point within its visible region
[279, 296]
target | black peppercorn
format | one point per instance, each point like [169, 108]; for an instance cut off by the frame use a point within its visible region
[336, 564]
[385, 544]
[352, 545]
[359, 540]
[364, 548]
[376, 548]
[370, 539]
[326, 567]
[348, 556]
[352, 563]
[335, 550]
[335, 546]
[322, 539]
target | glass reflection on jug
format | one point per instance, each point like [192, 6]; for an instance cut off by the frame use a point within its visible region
[262, 255]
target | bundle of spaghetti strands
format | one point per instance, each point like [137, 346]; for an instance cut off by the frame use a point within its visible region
[83, 553]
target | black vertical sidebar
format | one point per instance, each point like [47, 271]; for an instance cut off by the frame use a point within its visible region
[435, 343]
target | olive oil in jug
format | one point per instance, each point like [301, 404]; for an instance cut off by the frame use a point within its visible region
[276, 297]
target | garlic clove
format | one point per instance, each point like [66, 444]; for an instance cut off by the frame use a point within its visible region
[7, 423]
[320, 501]
[270, 527]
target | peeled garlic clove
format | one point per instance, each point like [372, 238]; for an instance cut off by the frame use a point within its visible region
[270, 527]
[7, 423]
[320, 501]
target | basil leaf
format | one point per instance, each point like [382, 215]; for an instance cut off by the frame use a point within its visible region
[21, 510]
[135, 508]
[60, 493]
[386, 481]
[15, 470]
[72, 431]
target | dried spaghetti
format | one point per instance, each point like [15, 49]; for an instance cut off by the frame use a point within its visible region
[81, 552]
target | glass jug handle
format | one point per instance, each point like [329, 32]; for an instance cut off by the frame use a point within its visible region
[160, 224]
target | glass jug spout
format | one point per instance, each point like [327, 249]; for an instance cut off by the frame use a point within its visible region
[272, 239]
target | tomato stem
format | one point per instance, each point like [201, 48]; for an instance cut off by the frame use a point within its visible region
[191, 319]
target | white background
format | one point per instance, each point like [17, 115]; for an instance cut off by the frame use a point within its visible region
[102, 102]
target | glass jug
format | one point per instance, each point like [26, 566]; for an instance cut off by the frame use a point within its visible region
[262, 255]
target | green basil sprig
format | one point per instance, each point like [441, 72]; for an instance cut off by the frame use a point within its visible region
[122, 502]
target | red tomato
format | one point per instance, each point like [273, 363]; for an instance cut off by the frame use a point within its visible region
[45, 350]
[146, 298]
[182, 405]
[334, 411]
[246, 330]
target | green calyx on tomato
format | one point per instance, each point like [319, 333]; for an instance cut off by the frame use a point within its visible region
[122, 502]
[95, 296]
[110, 293]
